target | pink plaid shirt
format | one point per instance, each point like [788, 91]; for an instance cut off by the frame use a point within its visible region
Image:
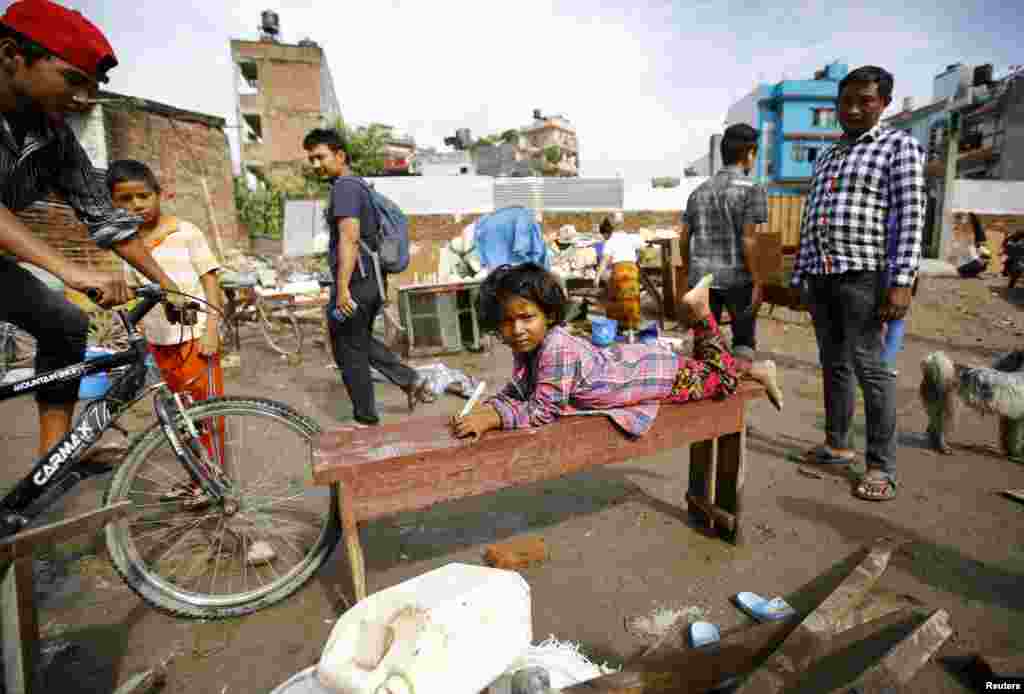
[567, 375]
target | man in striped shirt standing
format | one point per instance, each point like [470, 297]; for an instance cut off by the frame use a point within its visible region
[850, 281]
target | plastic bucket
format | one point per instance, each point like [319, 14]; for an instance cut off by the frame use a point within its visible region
[96, 385]
[602, 331]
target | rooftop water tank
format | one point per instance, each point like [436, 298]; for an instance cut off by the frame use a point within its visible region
[270, 23]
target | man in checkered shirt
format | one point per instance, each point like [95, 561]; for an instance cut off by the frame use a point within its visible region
[842, 266]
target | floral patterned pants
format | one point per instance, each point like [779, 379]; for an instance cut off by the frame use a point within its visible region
[710, 372]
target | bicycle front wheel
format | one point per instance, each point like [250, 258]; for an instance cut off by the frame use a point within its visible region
[210, 561]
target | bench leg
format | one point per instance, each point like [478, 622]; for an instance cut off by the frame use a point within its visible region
[350, 534]
[20, 627]
[716, 483]
[732, 457]
[711, 481]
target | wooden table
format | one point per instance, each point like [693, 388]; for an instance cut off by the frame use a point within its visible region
[468, 288]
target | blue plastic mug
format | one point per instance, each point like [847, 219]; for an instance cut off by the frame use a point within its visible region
[602, 331]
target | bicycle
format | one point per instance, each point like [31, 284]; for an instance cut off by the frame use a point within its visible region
[275, 316]
[188, 554]
[17, 348]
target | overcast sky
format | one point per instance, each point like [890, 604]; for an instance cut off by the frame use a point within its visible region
[644, 84]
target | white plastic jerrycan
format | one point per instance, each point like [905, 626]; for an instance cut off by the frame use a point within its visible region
[453, 630]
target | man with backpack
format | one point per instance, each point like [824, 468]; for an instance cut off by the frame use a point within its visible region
[365, 244]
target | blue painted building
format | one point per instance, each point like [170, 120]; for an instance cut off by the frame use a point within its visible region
[798, 120]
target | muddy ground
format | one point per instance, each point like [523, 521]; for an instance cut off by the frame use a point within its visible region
[620, 541]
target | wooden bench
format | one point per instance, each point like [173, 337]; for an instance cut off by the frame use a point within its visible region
[412, 465]
[20, 620]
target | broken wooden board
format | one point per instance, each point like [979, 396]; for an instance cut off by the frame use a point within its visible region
[808, 640]
[670, 666]
[903, 661]
[1001, 666]
[144, 682]
[27, 542]
[20, 624]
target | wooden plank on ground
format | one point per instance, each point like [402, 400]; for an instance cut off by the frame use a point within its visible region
[416, 464]
[20, 627]
[807, 641]
[23, 544]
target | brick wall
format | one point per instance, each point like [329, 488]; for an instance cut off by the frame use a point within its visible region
[181, 152]
[179, 155]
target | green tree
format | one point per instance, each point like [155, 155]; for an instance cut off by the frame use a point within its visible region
[511, 135]
[366, 144]
[553, 154]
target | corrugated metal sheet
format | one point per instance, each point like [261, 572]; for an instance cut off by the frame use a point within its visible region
[583, 193]
[524, 192]
[559, 194]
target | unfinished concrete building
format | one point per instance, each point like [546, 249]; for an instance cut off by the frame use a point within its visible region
[282, 92]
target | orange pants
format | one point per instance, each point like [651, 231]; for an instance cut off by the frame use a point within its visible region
[185, 370]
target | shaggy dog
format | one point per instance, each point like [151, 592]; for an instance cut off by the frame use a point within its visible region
[998, 390]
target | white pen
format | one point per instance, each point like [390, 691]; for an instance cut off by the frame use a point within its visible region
[473, 399]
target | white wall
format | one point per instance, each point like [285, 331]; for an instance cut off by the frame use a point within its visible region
[438, 194]
[640, 195]
[475, 194]
[988, 197]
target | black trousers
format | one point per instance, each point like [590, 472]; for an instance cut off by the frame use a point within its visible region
[744, 322]
[849, 333]
[61, 329]
[356, 349]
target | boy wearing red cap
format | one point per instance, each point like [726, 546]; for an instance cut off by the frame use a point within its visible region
[51, 59]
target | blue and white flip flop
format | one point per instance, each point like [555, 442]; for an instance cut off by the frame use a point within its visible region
[764, 610]
[703, 634]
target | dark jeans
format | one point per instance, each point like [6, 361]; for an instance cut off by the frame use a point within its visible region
[845, 312]
[60, 328]
[356, 349]
[744, 321]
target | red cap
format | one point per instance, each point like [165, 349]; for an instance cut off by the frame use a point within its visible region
[63, 32]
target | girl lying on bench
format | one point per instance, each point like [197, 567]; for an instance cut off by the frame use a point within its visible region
[557, 374]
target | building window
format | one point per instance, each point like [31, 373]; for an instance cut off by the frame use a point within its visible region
[825, 118]
[463, 169]
[250, 76]
[799, 153]
[812, 154]
[253, 128]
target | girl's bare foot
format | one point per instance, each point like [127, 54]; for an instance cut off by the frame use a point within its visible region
[765, 373]
[697, 300]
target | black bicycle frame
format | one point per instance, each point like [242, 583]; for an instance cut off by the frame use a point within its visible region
[55, 472]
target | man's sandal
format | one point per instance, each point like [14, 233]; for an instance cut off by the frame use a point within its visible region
[876, 488]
